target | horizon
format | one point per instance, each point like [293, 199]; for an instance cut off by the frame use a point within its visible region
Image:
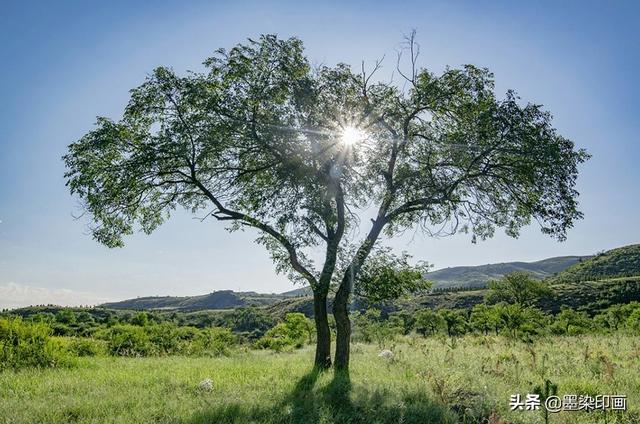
[66, 64]
[17, 288]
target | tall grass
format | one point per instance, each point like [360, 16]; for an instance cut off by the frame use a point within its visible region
[433, 380]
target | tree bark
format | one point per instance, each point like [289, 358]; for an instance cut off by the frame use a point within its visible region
[343, 327]
[323, 334]
[341, 301]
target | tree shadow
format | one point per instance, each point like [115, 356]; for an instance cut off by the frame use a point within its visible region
[334, 403]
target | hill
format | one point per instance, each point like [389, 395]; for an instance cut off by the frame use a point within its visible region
[591, 297]
[478, 276]
[302, 291]
[223, 299]
[620, 262]
[614, 263]
[461, 276]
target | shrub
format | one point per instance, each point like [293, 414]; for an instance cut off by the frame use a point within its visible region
[633, 321]
[83, 346]
[295, 331]
[569, 321]
[370, 327]
[214, 341]
[164, 338]
[29, 344]
[428, 322]
[455, 321]
[128, 340]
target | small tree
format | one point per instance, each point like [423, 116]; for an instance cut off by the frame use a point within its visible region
[517, 319]
[570, 321]
[261, 139]
[483, 318]
[455, 321]
[518, 287]
[428, 322]
[402, 320]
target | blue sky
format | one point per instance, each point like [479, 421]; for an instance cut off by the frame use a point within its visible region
[64, 63]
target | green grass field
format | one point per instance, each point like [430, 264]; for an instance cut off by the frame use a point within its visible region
[428, 381]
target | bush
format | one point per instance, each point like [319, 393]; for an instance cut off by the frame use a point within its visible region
[215, 341]
[569, 321]
[295, 331]
[29, 344]
[83, 346]
[128, 340]
[370, 327]
[428, 322]
[164, 338]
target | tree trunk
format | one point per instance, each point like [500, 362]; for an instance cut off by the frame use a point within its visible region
[323, 339]
[341, 301]
[343, 328]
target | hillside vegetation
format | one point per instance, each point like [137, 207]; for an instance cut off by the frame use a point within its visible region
[614, 263]
[222, 299]
[462, 276]
[478, 276]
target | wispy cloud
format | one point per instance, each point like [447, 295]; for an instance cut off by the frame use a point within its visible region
[14, 295]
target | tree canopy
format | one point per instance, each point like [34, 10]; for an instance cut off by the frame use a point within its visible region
[519, 288]
[262, 139]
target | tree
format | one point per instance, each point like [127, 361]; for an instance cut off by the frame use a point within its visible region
[519, 288]
[483, 318]
[262, 140]
[570, 321]
[516, 318]
[512, 316]
[141, 319]
[428, 322]
[402, 319]
[455, 321]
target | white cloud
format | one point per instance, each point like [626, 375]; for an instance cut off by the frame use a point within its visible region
[14, 295]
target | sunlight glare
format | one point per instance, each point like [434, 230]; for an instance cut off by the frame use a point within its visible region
[352, 135]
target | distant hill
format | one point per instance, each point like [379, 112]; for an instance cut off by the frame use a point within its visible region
[478, 276]
[302, 291]
[614, 263]
[462, 276]
[223, 299]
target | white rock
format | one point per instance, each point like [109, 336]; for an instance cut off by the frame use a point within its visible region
[206, 384]
[386, 354]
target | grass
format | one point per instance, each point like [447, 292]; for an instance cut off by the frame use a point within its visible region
[433, 380]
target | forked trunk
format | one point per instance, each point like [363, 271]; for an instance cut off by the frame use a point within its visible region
[323, 342]
[341, 302]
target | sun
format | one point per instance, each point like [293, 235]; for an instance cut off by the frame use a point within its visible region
[351, 135]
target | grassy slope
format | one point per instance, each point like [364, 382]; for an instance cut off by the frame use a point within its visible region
[477, 276]
[589, 296]
[223, 299]
[471, 276]
[476, 375]
[620, 262]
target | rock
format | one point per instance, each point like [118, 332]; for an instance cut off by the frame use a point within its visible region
[386, 354]
[206, 384]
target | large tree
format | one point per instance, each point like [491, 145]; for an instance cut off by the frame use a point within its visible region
[261, 139]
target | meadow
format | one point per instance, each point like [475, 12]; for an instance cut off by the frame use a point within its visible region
[426, 380]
